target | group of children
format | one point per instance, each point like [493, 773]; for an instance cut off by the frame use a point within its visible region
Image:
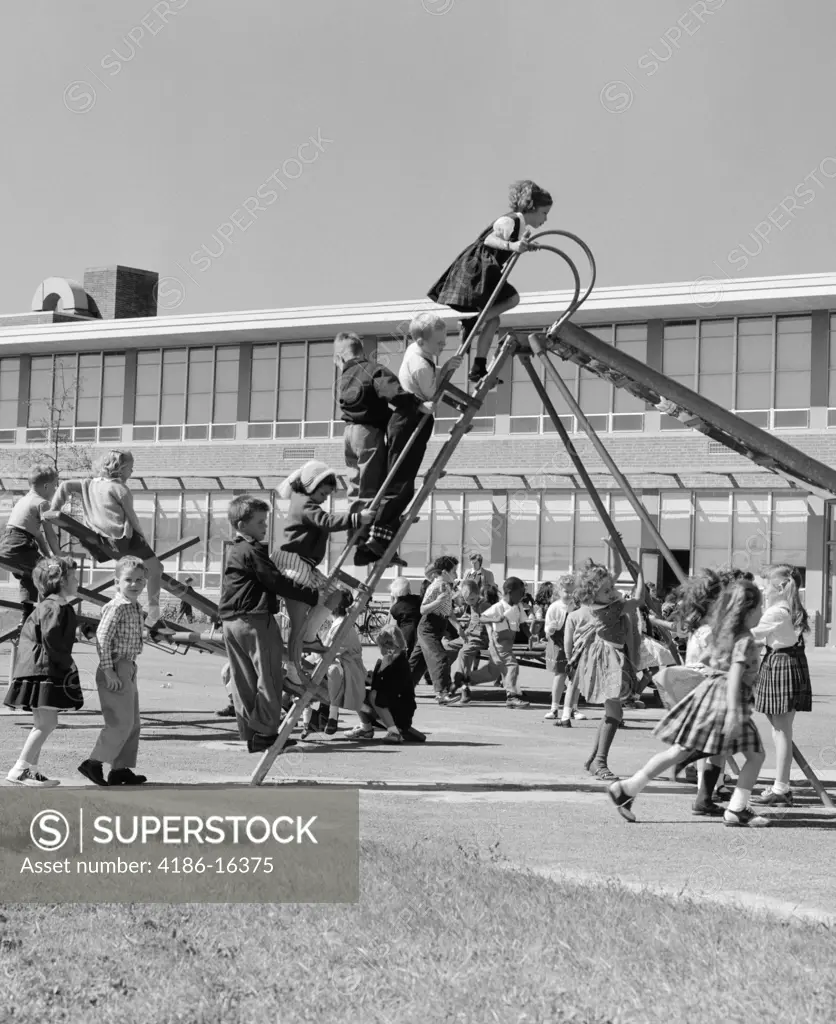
[598, 643]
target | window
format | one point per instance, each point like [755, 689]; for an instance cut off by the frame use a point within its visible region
[415, 548]
[147, 387]
[676, 520]
[263, 376]
[789, 530]
[594, 394]
[199, 394]
[478, 525]
[173, 389]
[9, 385]
[793, 356]
[113, 390]
[628, 411]
[712, 529]
[716, 369]
[679, 352]
[523, 518]
[754, 363]
[291, 389]
[588, 530]
[750, 532]
[320, 389]
[447, 525]
[40, 391]
[226, 385]
[555, 534]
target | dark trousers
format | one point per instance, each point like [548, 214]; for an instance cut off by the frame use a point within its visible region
[401, 489]
[431, 632]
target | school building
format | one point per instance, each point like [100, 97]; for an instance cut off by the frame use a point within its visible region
[215, 404]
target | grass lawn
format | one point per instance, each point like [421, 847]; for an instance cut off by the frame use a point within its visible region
[440, 935]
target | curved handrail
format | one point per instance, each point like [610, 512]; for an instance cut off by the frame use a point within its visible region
[579, 300]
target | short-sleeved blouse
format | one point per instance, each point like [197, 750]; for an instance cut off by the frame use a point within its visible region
[435, 590]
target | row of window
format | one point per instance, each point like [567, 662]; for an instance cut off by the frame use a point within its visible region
[537, 534]
[752, 364]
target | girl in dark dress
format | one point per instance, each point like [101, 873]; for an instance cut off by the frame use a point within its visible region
[405, 611]
[46, 678]
[471, 279]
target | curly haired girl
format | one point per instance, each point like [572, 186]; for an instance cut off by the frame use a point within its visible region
[471, 279]
[601, 643]
[716, 717]
[783, 685]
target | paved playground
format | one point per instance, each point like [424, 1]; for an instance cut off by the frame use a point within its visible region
[488, 775]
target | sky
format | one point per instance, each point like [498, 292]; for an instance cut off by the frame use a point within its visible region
[268, 153]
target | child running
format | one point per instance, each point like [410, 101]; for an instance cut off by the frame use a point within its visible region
[556, 663]
[28, 537]
[119, 643]
[346, 676]
[436, 613]
[716, 718]
[46, 678]
[505, 618]
[471, 279]
[601, 643]
[783, 684]
[109, 510]
[304, 546]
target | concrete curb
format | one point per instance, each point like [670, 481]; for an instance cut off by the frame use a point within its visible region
[781, 909]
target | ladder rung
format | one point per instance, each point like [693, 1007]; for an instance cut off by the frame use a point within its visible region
[454, 403]
[461, 396]
[350, 581]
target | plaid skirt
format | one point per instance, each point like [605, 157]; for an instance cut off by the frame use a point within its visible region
[783, 683]
[697, 722]
[297, 569]
[470, 280]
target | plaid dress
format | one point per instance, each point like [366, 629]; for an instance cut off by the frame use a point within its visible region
[783, 683]
[470, 280]
[697, 721]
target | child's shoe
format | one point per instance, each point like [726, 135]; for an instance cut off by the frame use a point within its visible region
[581, 717]
[125, 777]
[744, 819]
[478, 370]
[516, 702]
[359, 732]
[92, 770]
[550, 716]
[563, 723]
[623, 802]
[393, 736]
[31, 777]
[707, 809]
[227, 712]
[769, 798]
[330, 727]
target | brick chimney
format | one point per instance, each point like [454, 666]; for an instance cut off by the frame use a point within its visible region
[119, 292]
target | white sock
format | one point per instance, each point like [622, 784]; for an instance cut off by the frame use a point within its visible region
[780, 787]
[740, 799]
[636, 783]
[307, 715]
[334, 711]
[567, 714]
[20, 765]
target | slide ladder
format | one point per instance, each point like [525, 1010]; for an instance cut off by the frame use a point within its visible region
[468, 407]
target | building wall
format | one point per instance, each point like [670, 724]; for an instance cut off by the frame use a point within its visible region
[225, 410]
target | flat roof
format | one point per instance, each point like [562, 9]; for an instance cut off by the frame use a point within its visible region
[707, 297]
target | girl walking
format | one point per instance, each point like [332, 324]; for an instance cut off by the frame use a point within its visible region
[46, 678]
[716, 718]
[783, 683]
[471, 279]
[601, 645]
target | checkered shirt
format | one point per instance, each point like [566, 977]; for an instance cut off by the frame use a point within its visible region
[120, 632]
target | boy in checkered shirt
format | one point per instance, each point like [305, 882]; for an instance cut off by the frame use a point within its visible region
[119, 643]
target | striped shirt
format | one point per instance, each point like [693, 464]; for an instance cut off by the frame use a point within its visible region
[120, 632]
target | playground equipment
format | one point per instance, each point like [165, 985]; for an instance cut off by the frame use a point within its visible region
[571, 343]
